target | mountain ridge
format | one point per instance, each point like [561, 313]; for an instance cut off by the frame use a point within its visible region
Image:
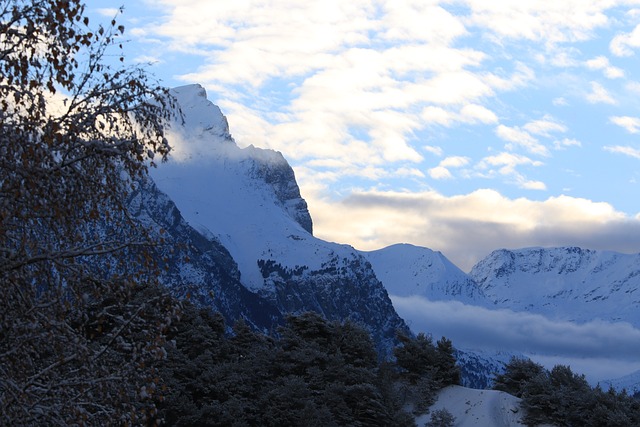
[246, 200]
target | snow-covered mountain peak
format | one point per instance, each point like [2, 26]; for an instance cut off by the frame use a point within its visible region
[203, 132]
[200, 114]
[408, 270]
[565, 282]
[247, 199]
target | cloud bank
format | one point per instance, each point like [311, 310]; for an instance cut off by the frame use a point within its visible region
[551, 341]
[466, 228]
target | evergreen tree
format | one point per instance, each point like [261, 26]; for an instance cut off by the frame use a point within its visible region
[517, 374]
[441, 418]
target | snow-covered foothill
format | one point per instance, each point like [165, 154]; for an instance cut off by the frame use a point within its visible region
[473, 408]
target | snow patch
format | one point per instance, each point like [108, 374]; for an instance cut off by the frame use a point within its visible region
[472, 408]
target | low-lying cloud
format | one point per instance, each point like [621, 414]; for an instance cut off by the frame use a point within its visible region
[551, 341]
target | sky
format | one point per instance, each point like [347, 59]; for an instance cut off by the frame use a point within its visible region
[463, 126]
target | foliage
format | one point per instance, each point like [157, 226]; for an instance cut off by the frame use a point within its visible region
[441, 418]
[517, 374]
[80, 314]
[313, 372]
[426, 367]
[562, 398]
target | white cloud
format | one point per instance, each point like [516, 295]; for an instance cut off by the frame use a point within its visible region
[477, 113]
[545, 127]
[478, 327]
[566, 142]
[468, 227]
[633, 87]
[531, 185]
[421, 21]
[437, 115]
[627, 151]
[623, 44]
[560, 102]
[548, 341]
[630, 124]
[409, 172]
[440, 172]
[602, 63]
[108, 12]
[544, 20]
[599, 95]
[434, 150]
[455, 162]
[470, 113]
[522, 138]
[507, 162]
[148, 59]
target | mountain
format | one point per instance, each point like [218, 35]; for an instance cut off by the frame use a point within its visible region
[241, 213]
[566, 283]
[408, 270]
[239, 238]
[630, 383]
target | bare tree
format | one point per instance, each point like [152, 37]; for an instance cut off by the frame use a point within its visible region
[79, 312]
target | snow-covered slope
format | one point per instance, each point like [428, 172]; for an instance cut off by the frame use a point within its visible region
[566, 283]
[407, 270]
[630, 383]
[249, 201]
[473, 408]
[232, 193]
[194, 266]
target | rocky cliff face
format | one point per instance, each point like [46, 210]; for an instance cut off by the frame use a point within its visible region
[272, 168]
[238, 216]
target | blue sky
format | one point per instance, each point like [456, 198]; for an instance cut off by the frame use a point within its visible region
[463, 126]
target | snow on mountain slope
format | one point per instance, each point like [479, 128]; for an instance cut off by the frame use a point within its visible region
[563, 283]
[248, 200]
[472, 408]
[630, 383]
[221, 189]
[407, 270]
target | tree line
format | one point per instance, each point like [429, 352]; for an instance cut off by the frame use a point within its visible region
[309, 372]
[561, 397]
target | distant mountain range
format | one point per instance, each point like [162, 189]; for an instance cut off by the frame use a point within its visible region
[238, 237]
